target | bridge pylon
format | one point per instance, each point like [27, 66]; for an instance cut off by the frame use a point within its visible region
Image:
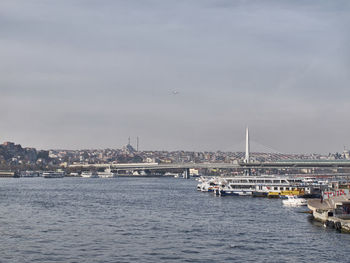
[247, 146]
[187, 174]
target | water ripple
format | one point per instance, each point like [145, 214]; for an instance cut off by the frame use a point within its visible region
[152, 220]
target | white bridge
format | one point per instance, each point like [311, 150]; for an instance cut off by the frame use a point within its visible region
[247, 163]
[244, 165]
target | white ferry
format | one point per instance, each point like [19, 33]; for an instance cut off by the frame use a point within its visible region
[106, 174]
[175, 175]
[29, 174]
[89, 174]
[53, 174]
[247, 185]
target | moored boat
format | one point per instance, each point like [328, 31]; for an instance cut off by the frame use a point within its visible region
[258, 186]
[292, 200]
[53, 174]
[106, 174]
[89, 174]
[259, 194]
[207, 184]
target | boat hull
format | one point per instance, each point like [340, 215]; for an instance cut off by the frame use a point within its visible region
[259, 194]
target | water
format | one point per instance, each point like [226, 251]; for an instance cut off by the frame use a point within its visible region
[153, 220]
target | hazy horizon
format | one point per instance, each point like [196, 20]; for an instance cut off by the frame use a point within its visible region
[188, 75]
[258, 149]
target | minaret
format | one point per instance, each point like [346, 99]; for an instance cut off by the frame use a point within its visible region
[246, 159]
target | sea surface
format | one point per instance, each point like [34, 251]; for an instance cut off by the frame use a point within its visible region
[153, 220]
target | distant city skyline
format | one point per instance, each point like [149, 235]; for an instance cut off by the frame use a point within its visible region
[180, 75]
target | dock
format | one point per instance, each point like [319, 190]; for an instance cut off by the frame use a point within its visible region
[333, 212]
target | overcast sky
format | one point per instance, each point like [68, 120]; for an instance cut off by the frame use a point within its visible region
[80, 74]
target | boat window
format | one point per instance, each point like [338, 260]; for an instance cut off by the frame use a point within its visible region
[275, 188]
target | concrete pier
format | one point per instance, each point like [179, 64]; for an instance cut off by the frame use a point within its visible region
[333, 212]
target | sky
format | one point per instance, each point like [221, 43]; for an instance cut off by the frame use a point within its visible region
[180, 74]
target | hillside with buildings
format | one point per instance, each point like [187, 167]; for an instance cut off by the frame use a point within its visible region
[15, 156]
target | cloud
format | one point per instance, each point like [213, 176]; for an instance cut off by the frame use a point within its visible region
[105, 69]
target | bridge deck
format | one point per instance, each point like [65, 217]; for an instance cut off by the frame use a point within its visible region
[281, 164]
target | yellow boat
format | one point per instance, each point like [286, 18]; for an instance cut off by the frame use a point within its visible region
[285, 192]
